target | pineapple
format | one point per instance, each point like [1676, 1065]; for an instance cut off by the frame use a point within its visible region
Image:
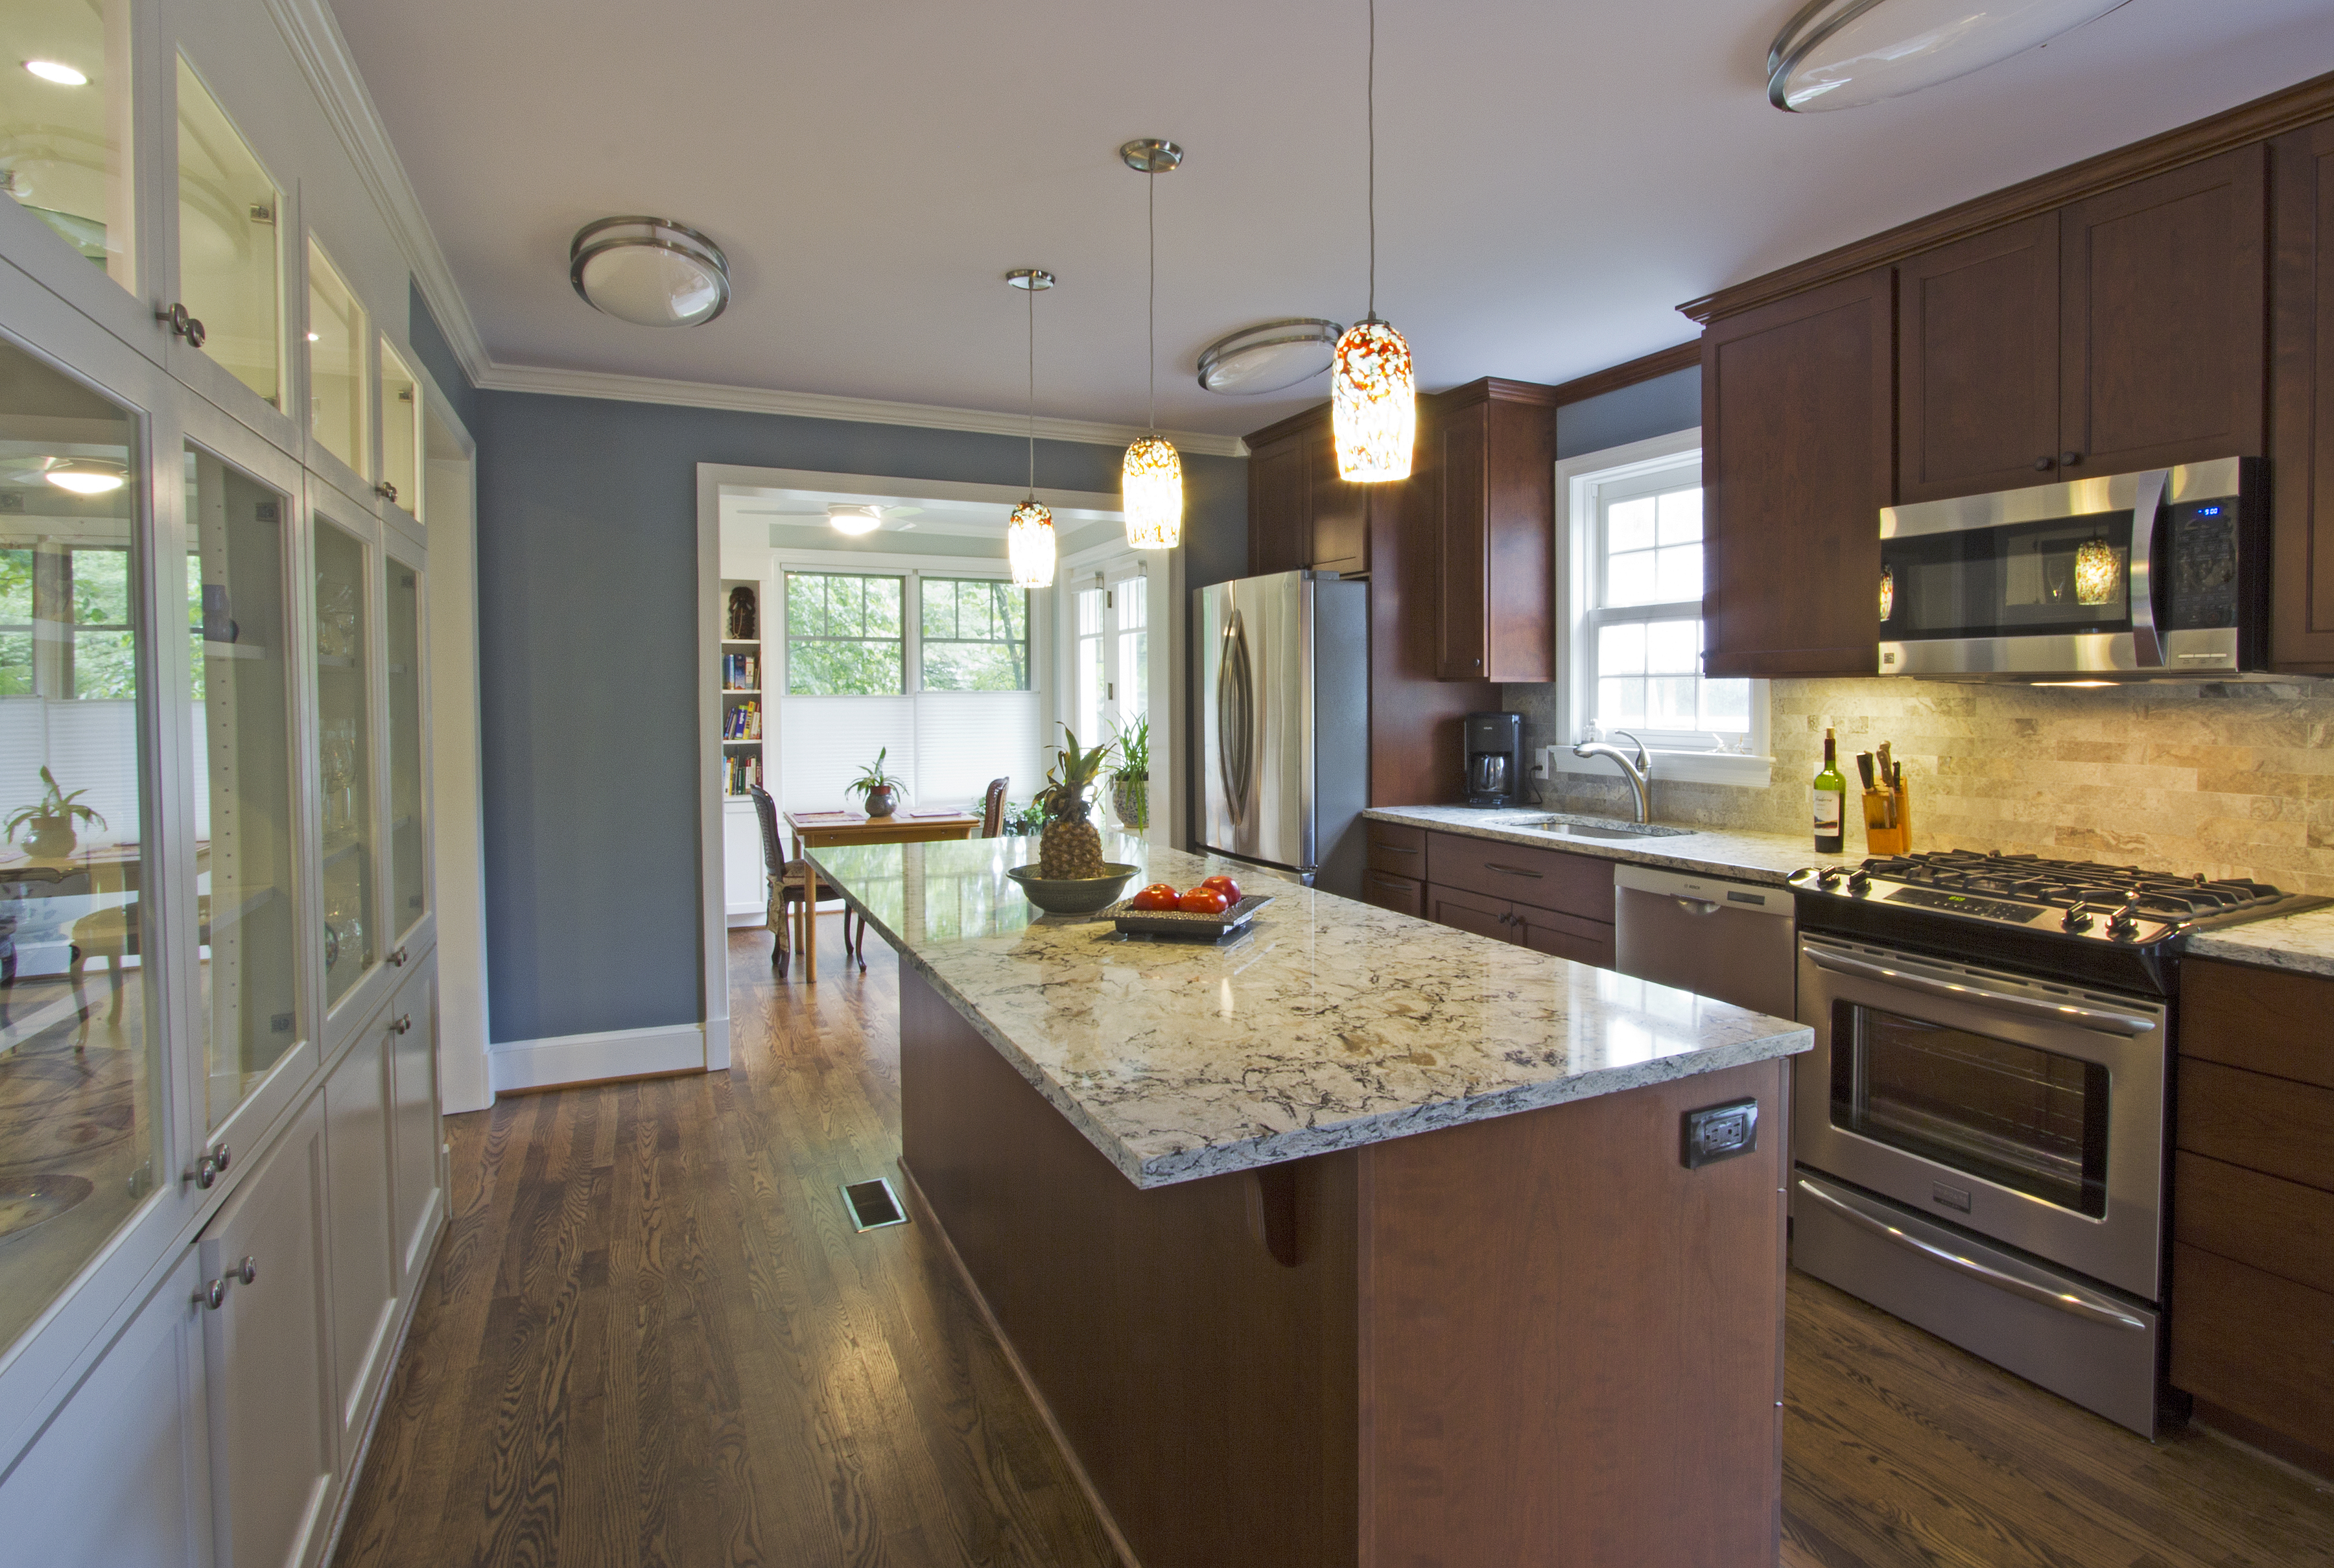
[1070, 846]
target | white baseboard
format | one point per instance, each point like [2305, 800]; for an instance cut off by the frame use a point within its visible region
[592, 1058]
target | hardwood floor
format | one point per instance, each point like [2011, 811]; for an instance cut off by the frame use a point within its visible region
[650, 1338]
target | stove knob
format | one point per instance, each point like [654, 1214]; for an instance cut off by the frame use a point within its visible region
[1829, 875]
[2124, 921]
[1859, 883]
[2078, 919]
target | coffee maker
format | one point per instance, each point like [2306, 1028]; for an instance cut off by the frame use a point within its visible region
[1494, 750]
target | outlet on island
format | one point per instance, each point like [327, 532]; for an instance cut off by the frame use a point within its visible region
[1717, 1132]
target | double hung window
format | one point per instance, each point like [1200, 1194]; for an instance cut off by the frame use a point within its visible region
[1110, 658]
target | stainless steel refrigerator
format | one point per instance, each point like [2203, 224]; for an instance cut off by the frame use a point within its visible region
[1285, 723]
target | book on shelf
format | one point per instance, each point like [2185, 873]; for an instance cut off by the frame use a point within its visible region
[742, 722]
[741, 672]
[744, 773]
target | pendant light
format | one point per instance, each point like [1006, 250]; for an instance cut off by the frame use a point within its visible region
[1029, 538]
[1372, 395]
[2098, 575]
[1150, 480]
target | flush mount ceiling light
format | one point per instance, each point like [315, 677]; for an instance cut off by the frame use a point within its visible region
[854, 519]
[1373, 390]
[83, 477]
[1846, 54]
[1269, 357]
[53, 71]
[1029, 543]
[1150, 479]
[650, 270]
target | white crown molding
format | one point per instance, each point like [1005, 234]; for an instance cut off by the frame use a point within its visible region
[315, 35]
[316, 41]
[502, 378]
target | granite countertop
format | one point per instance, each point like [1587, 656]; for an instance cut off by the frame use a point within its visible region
[1331, 1025]
[1768, 857]
[2302, 942]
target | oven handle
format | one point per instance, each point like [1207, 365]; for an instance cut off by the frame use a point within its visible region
[2099, 1019]
[2066, 1302]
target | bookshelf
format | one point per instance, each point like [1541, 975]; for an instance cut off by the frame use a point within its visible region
[745, 717]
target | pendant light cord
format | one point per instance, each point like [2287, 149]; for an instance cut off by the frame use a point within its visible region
[1370, 97]
[1032, 293]
[1150, 189]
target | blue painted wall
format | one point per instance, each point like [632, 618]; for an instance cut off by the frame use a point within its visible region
[437, 356]
[1639, 413]
[587, 584]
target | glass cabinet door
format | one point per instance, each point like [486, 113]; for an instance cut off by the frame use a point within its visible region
[229, 266]
[401, 431]
[65, 148]
[344, 760]
[409, 831]
[83, 1117]
[337, 338]
[242, 751]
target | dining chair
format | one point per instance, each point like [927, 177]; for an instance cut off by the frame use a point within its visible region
[787, 879]
[992, 808]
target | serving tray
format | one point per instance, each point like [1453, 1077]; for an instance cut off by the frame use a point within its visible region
[1182, 922]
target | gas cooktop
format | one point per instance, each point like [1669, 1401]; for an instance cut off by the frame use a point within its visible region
[2106, 924]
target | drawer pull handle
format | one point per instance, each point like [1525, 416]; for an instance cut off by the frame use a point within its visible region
[1393, 848]
[1510, 870]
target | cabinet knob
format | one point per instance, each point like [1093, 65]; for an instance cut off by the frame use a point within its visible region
[183, 326]
[398, 957]
[207, 1171]
[386, 490]
[247, 1271]
[2068, 459]
[213, 1295]
[2045, 463]
[224, 1154]
[404, 1022]
[1479, 664]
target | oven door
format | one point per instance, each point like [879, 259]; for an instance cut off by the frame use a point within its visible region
[2027, 1111]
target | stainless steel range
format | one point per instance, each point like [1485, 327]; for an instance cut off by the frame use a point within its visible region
[1981, 1127]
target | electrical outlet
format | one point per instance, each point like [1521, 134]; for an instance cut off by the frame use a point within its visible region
[1718, 1132]
[1545, 766]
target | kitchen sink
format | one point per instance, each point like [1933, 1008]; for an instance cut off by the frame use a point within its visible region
[1602, 828]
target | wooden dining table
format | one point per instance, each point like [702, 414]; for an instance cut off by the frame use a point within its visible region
[815, 829]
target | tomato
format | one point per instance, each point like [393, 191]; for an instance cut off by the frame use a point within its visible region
[1157, 896]
[1203, 901]
[1229, 889]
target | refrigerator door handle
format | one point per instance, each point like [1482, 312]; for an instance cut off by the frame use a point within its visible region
[1236, 719]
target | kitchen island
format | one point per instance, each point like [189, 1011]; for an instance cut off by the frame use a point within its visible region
[1356, 1240]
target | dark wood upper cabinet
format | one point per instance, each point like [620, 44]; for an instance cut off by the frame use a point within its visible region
[1300, 513]
[2163, 318]
[1337, 534]
[1977, 367]
[1278, 528]
[2301, 440]
[1491, 467]
[1797, 461]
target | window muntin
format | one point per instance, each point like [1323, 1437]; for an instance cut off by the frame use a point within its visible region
[64, 145]
[1643, 617]
[337, 334]
[81, 1038]
[845, 635]
[975, 635]
[229, 268]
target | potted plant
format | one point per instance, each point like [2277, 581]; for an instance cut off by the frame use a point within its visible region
[878, 789]
[1071, 846]
[51, 820]
[1130, 781]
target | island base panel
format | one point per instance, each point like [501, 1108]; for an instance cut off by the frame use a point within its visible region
[1537, 1339]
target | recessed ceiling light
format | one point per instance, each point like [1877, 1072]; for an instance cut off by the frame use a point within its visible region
[855, 519]
[650, 270]
[51, 70]
[1846, 54]
[1269, 357]
[87, 478]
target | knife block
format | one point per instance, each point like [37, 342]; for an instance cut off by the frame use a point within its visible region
[1879, 839]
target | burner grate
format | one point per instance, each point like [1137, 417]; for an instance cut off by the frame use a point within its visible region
[2063, 884]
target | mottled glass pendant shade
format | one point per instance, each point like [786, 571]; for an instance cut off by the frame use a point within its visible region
[1151, 487]
[2098, 575]
[1030, 545]
[1373, 404]
[1887, 595]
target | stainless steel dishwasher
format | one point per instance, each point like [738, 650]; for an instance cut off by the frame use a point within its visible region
[1731, 940]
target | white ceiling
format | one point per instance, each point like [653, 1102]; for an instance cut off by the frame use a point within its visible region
[1553, 178]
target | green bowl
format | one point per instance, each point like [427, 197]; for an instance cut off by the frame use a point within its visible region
[1074, 895]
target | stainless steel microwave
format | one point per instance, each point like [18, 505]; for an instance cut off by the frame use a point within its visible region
[2154, 575]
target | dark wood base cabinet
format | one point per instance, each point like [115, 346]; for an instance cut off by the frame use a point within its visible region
[2253, 1200]
[1537, 1341]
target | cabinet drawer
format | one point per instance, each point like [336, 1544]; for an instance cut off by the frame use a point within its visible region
[2256, 1345]
[2262, 1020]
[1578, 885]
[1398, 849]
[1565, 936]
[1403, 895]
[1466, 911]
[2261, 1123]
[2281, 1228]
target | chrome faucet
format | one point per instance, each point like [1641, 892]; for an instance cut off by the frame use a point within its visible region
[1640, 773]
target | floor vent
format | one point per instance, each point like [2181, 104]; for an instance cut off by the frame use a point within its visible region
[873, 1205]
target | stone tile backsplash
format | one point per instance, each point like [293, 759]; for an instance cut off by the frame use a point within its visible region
[2231, 780]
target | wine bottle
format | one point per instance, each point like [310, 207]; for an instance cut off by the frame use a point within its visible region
[1830, 795]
